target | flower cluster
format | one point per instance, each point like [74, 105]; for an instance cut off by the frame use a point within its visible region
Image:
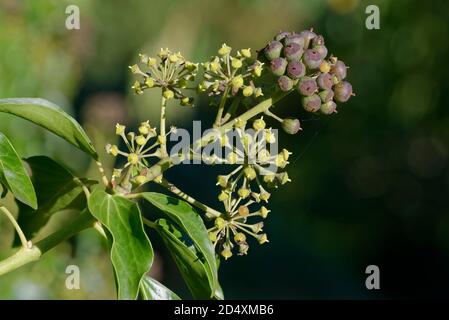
[141, 146]
[169, 71]
[224, 73]
[245, 187]
[300, 60]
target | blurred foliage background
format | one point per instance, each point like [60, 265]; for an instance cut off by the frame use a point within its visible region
[370, 184]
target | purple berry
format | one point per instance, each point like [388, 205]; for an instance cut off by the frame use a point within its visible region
[325, 81]
[339, 70]
[328, 108]
[312, 59]
[273, 50]
[278, 66]
[326, 95]
[294, 38]
[312, 103]
[343, 91]
[296, 69]
[307, 86]
[285, 83]
[293, 51]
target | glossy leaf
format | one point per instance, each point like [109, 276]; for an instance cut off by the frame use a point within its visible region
[50, 117]
[57, 189]
[192, 269]
[13, 174]
[191, 223]
[131, 252]
[151, 289]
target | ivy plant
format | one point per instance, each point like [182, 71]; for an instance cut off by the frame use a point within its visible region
[243, 88]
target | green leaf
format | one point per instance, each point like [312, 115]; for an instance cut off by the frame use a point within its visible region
[13, 174]
[57, 189]
[151, 289]
[191, 223]
[192, 269]
[50, 117]
[131, 252]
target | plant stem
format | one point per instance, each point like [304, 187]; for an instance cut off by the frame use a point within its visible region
[149, 223]
[219, 115]
[172, 188]
[11, 218]
[162, 132]
[26, 255]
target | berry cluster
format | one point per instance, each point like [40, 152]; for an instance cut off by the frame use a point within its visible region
[299, 60]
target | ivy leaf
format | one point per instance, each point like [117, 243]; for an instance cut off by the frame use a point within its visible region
[57, 189]
[50, 117]
[191, 223]
[13, 174]
[131, 252]
[193, 270]
[151, 289]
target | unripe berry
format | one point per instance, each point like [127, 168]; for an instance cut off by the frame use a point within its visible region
[307, 86]
[219, 223]
[236, 63]
[318, 41]
[291, 126]
[168, 94]
[312, 59]
[294, 38]
[278, 66]
[246, 53]
[259, 124]
[262, 238]
[285, 83]
[325, 67]
[119, 129]
[273, 50]
[224, 50]
[263, 212]
[248, 91]
[293, 51]
[133, 158]
[343, 91]
[250, 173]
[239, 237]
[140, 140]
[257, 227]
[339, 70]
[328, 108]
[243, 193]
[311, 103]
[223, 196]
[243, 211]
[282, 178]
[113, 150]
[307, 35]
[322, 50]
[222, 181]
[326, 95]
[149, 82]
[237, 82]
[265, 196]
[296, 69]
[144, 130]
[226, 253]
[325, 81]
[281, 35]
[141, 179]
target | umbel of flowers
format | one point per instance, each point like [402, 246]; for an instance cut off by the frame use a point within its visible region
[242, 83]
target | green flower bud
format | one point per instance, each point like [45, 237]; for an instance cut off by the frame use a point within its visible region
[278, 66]
[168, 94]
[273, 50]
[283, 178]
[226, 253]
[265, 196]
[219, 223]
[149, 82]
[256, 228]
[259, 124]
[140, 180]
[291, 126]
[263, 212]
[285, 83]
[343, 91]
[224, 50]
[237, 82]
[140, 140]
[312, 59]
[307, 86]
[269, 178]
[246, 53]
[296, 69]
[262, 238]
[236, 63]
[328, 108]
[213, 236]
[222, 181]
[223, 196]
[119, 129]
[250, 173]
[248, 91]
[243, 211]
[133, 158]
[112, 149]
[243, 193]
[325, 81]
[311, 103]
[243, 248]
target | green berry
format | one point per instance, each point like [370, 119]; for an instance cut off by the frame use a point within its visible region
[278, 66]
[343, 91]
[281, 35]
[294, 38]
[328, 107]
[291, 126]
[311, 103]
[308, 36]
[273, 50]
[326, 95]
